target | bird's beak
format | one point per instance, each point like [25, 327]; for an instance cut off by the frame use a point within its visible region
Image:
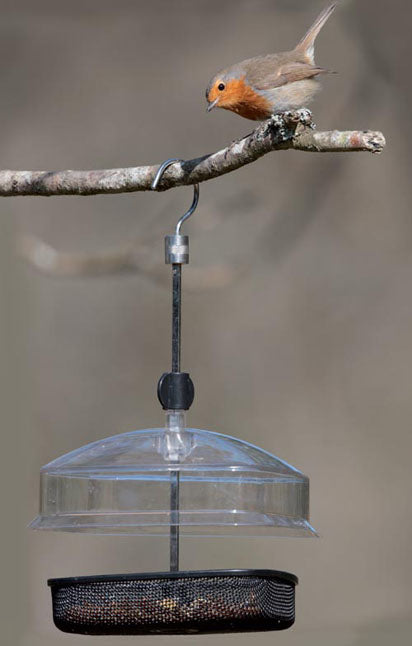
[212, 105]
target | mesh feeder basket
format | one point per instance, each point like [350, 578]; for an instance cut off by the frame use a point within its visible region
[175, 602]
[171, 481]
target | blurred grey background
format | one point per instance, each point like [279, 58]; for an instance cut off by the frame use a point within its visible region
[302, 342]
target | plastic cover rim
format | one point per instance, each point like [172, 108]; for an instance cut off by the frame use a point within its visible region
[258, 493]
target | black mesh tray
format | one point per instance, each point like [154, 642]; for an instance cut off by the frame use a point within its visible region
[211, 601]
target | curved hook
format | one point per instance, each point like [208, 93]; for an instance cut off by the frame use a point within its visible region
[195, 201]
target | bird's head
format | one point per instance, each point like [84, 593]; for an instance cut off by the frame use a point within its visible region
[225, 91]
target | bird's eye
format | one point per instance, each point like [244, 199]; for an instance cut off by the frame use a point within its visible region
[221, 87]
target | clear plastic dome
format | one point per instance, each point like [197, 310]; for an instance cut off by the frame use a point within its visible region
[122, 485]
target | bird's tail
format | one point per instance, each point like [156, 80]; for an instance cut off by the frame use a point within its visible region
[307, 44]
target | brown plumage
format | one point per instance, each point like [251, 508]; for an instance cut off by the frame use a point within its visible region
[264, 85]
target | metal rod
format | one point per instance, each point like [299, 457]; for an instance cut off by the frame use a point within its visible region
[174, 475]
[176, 316]
[174, 521]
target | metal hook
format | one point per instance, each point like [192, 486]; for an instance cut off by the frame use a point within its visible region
[195, 201]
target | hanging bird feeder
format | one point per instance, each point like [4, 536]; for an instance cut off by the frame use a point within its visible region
[171, 481]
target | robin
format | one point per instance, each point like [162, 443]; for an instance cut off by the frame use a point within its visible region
[265, 85]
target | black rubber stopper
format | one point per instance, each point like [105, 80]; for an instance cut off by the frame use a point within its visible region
[176, 391]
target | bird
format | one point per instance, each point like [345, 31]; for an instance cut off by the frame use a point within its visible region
[260, 87]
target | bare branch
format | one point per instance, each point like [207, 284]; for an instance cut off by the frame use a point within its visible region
[290, 130]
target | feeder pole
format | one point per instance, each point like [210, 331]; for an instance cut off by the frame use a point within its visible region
[176, 351]
[175, 389]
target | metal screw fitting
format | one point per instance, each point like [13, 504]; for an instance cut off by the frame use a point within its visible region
[176, 250]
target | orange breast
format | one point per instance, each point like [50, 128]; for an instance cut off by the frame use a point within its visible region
[242, 99]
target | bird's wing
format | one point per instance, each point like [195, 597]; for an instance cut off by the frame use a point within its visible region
[288, 73]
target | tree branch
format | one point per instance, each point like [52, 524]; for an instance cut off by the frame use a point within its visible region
[290, 130]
